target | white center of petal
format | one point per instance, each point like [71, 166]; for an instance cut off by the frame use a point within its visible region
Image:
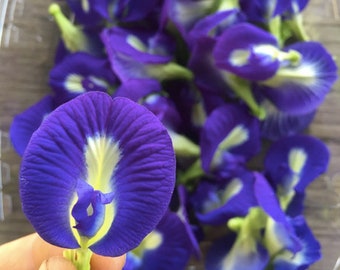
[153, 240]
[136, 43]
[102, 155]
[73, 83]
[85, 5]
[239, 57]
[297, 159]
[221, 197]
[237, 136]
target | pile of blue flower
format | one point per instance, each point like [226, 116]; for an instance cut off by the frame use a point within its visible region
[175, 132]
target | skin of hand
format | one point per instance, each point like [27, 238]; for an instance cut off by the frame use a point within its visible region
[33, 253]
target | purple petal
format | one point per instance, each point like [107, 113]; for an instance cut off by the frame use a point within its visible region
[25, 123]
[121, 150]
[78, 73]
[279, 124]
[229, 130]
[294, 162]
[216, 203]
[243, 49]
[301, 88]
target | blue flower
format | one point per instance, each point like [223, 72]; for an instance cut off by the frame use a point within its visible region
[229, 138]
[136, 54]
[98, 174]
[292, 163]
[25, 123]
[79, 73]
[301, 87]
[166, 247]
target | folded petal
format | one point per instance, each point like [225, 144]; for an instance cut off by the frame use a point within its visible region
[244, 49]
[78, 73]
[293, 162]
[25, 123]
[216, 203]
[230, 135]
[95, 169]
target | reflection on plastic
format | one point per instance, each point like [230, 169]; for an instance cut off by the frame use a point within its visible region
[8, 30]
[5, 177]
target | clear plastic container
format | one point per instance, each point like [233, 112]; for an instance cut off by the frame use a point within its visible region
[28, 38]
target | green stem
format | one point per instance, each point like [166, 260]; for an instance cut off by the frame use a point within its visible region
[73, 36]
[79, 257]
[195, 171]
[169, 71]
[242, 89]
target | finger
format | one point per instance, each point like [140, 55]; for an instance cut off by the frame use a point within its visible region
[57, 263]
[17, 254]
[108, 263]
[41, 251]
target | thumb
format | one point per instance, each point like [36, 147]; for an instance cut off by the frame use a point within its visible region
[57, 263]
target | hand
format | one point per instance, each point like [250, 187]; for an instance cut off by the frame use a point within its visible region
[32, 253]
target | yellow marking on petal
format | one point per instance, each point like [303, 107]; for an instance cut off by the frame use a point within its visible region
[73, 83]
[303, 74]
[237, 136]
[136, 43]
[85, 5]
[152, 241]
[110, 212]
[232, 189]
[297, 159]
[239, 57]
[102, 156]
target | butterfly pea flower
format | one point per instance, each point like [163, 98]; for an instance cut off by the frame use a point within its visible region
[232, 252]
[141, 55]
[214, 24]
[132, 10]
[301, 87]
[185, 14]
[138, 89]
[278, 124]
[79, 73]
[166, 247]
[25, 123]
[258, 236]
[97, 175]
[244, 49]
[229, 138]
[292, 163]
[309, 254]
[216, 202]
